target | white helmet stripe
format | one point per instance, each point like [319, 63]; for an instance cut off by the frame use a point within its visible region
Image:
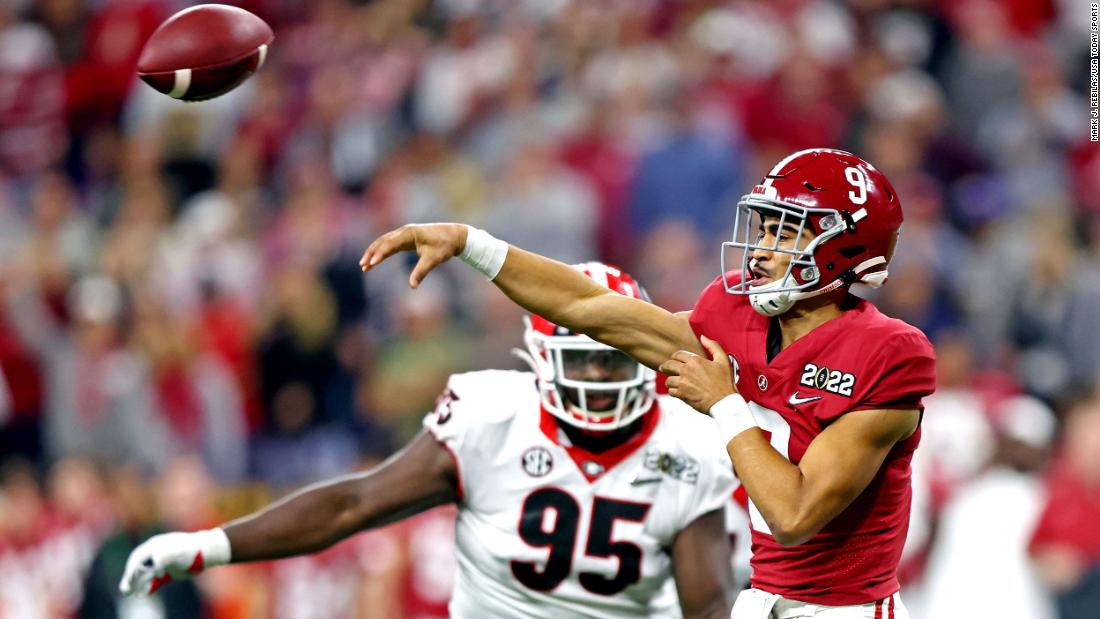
[783, 162]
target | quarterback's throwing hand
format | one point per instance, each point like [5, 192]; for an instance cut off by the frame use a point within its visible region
[172, 556]
[434, 243]
[696, 380]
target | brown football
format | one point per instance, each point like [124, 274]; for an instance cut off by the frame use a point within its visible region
[204, 51]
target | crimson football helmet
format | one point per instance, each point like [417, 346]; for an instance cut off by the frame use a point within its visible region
[849, 206]
[585, 383]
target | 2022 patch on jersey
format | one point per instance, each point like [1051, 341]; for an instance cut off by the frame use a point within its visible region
[546, 529]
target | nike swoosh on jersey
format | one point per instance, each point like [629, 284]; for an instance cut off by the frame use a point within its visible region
[639, 481]
[795, 400]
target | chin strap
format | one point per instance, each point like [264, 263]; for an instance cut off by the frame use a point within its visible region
[775, 303]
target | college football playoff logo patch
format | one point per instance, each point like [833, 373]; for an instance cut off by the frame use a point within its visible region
[824, 379]
[537, 461]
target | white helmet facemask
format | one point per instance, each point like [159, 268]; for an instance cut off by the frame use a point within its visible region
[777, 296]
[565, 365]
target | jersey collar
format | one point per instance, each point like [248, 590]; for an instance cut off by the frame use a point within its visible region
[594, 465]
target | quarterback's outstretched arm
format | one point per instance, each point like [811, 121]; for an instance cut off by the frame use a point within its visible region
[420, 476]
[552, 290]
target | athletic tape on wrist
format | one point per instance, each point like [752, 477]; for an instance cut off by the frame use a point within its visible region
[484, 252]
[733, 416]
[214, 545]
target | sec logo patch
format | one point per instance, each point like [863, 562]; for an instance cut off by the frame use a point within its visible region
[537, 461]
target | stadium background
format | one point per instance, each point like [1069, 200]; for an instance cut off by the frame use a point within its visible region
[185, 333]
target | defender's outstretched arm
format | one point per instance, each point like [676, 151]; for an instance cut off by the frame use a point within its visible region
[420, 476]
[552, 290]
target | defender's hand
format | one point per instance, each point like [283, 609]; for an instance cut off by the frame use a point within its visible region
[172, 556]
[696, 380]
[434, 243]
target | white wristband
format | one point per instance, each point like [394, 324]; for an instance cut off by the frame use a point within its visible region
[733, 416]
[214, 545]
[484, 252]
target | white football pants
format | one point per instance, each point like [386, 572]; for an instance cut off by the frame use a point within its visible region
[757, 604]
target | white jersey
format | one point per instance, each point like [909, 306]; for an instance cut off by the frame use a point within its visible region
[546, 529]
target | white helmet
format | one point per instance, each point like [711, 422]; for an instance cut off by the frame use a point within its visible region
[585, 383]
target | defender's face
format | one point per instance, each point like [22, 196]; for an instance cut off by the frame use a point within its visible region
[769, 265]
[597, 366]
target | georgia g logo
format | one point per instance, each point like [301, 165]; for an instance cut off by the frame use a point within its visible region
[537, 461]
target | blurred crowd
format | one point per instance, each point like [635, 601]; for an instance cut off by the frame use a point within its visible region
[185, 332]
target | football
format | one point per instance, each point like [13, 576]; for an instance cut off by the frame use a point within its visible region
[204, 51]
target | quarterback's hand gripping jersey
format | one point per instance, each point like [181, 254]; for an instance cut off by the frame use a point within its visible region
[858, 361]
[546, 529]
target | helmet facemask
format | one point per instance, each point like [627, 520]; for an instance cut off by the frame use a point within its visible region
[801, 278]
[587, 384]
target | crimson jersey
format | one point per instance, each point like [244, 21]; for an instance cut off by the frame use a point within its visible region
[859, 360]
